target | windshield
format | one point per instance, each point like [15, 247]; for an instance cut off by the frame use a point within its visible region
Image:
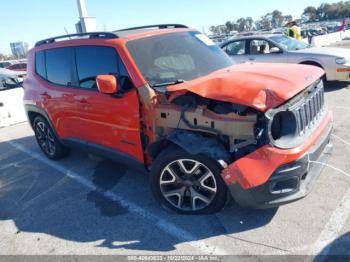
[177, 57]
[289, 43]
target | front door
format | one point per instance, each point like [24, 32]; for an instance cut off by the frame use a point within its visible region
[106, 121]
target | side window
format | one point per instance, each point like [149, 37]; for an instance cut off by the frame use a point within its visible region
[262, 47]
[40, 66]
[93, 61]
[60, 66]
[235, 48]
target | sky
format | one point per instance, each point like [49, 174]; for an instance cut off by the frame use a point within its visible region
[33, 20]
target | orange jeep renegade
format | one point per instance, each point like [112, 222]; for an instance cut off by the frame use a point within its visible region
[167, 99]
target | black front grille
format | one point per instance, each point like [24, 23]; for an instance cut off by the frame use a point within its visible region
[310, 110]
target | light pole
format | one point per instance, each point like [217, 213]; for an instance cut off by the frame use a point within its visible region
[86, 23]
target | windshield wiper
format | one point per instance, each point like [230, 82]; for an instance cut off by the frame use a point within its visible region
[176, 82]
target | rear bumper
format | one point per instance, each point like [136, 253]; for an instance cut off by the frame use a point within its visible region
[290, 180]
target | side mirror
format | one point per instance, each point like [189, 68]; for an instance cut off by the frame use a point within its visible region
[107, 84]
[275, 50]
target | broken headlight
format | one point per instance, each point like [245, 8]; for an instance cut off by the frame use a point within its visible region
[283, 128]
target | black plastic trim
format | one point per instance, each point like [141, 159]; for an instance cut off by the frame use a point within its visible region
[107, 152]
[159, 26]
[92, 35]
[43, 113]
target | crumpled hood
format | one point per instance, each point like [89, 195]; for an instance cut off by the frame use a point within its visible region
[258, 85]
[331, 51]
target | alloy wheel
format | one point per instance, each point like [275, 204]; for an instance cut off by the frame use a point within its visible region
[188, 185]
[45, 138]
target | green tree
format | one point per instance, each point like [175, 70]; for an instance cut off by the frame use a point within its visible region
[310, 13]
[324, 11]
[231, 26]
[249, 24]
[277, 18]
[214, 30]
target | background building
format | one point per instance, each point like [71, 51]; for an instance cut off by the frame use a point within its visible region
[19, 49]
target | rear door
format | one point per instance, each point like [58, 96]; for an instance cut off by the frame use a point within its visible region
[107, 121]
[57, 95]
[262, 50]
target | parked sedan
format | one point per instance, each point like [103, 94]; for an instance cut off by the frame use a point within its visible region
[283, 49]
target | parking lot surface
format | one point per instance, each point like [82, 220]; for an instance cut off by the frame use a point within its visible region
[88, 205]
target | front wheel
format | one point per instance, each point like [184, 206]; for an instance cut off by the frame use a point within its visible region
[188, 184]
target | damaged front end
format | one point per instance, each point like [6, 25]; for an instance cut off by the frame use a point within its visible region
[221, 130]
[263, 154]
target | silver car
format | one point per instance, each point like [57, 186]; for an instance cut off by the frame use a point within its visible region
[282, 49]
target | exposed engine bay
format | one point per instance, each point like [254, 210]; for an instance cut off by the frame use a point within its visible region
[232, 126]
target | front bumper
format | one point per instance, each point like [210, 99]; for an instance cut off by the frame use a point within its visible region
[342, 72]
[290, 180]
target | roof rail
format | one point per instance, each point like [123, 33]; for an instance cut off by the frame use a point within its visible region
[81, 35]
[161, 26]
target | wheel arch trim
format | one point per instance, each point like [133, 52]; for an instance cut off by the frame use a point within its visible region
[195, 143]
[40, 111]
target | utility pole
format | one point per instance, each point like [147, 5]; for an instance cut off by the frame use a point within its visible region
[86, 23]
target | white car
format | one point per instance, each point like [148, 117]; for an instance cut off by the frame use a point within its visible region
[282, 49]
[11, 98]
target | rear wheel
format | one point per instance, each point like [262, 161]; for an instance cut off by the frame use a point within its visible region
[47, 140]
[188, 184]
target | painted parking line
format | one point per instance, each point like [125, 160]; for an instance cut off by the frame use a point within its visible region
[161, 223]
[338, 218]
[333, 228]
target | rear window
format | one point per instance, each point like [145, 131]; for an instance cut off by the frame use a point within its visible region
[40, 64]
[60, 66]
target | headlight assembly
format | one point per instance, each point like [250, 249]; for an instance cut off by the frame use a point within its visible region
[340, 61]
[283, 127]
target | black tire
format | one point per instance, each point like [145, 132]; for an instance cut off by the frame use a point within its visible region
[170, 156]
[47, 140]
